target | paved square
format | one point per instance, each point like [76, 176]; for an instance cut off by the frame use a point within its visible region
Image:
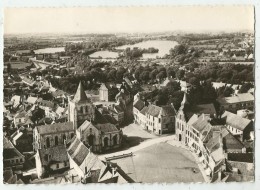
[162, 163]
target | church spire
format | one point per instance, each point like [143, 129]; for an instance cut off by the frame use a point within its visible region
[80, 94]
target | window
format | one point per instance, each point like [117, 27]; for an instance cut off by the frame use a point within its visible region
[48, 142]
[57, 166]
[159, 120]
[56, 140]
[115, 140]
[21, 160]
[71, 135]
[106, 141]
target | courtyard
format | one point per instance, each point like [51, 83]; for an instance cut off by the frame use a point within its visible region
[162, 163]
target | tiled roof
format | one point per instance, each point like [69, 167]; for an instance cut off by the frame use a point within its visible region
[78, 151]
[139, 104]
[144, 110]
[106, 128]
[80, 94]
[241, 157]
[244, 97]
[55, 128]
[10, 151]
[235, 121]
[53, 155]
[201, 123]
[47, 103]
[230, 142]
[168, 111]
[153, 110]
[204, 108]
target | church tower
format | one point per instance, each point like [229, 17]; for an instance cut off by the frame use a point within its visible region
[80, 108]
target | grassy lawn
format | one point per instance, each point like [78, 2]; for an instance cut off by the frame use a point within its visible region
[162, 163]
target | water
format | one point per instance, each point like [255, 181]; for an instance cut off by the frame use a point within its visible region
[104, 55]
[164, 47]
[50, 50]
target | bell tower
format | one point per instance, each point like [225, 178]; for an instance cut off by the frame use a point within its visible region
[80, 108]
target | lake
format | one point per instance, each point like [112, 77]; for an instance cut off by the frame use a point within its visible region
[50, 50]
[164, 47]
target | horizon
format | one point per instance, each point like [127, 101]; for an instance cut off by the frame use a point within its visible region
[112, 20]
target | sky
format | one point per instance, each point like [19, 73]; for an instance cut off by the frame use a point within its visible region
[128, 19]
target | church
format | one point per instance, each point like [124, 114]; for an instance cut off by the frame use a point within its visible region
[90, 126]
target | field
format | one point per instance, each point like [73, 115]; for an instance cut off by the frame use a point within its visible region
[18, 64]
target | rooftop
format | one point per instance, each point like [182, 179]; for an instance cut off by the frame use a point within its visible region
[235, 121]
[53, 155]
[55, 128]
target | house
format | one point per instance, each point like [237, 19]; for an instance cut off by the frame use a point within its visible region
[137, 107]
[237, 125]
[10, 177]
[12, 158]
[31, 100]
[107, 92]
[184, 114]
[47, 106]
[22, 140]
[22, 119]
[17, 100]
[99, 136]
[160, 120]
[237, 102]
[50, 161]
[86, 167]
[47, 136]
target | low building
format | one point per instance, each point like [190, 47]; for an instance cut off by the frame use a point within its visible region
[160, 120]
[12, 158]
[47, 106]
[107, 92]
[238, 126]
[237, 102]
[86, 167]
[22, 119]
[50, 161]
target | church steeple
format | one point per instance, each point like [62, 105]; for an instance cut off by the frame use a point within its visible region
[80, 94]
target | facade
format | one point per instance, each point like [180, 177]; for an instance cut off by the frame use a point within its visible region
[99, 136]
[158, 120]
[47, 136]
[80, 108]
[237, 102]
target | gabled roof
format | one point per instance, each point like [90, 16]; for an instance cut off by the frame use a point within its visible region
[235, 121]
[47, 103]
[53, 155]
[202, 123]
[244, 97]
[55, 128]
[229, 141]
[241, 157]
[139, 104]
[32, 100]
[153, 110]
[144, 110]
[168, 110]
[80, 95]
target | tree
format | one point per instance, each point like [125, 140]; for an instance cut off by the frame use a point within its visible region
[245, 87]
[64, 72]
[9, 68]
[225, 91]
[173, 86]
[170, 73]
[194, 81]
[180, 74]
